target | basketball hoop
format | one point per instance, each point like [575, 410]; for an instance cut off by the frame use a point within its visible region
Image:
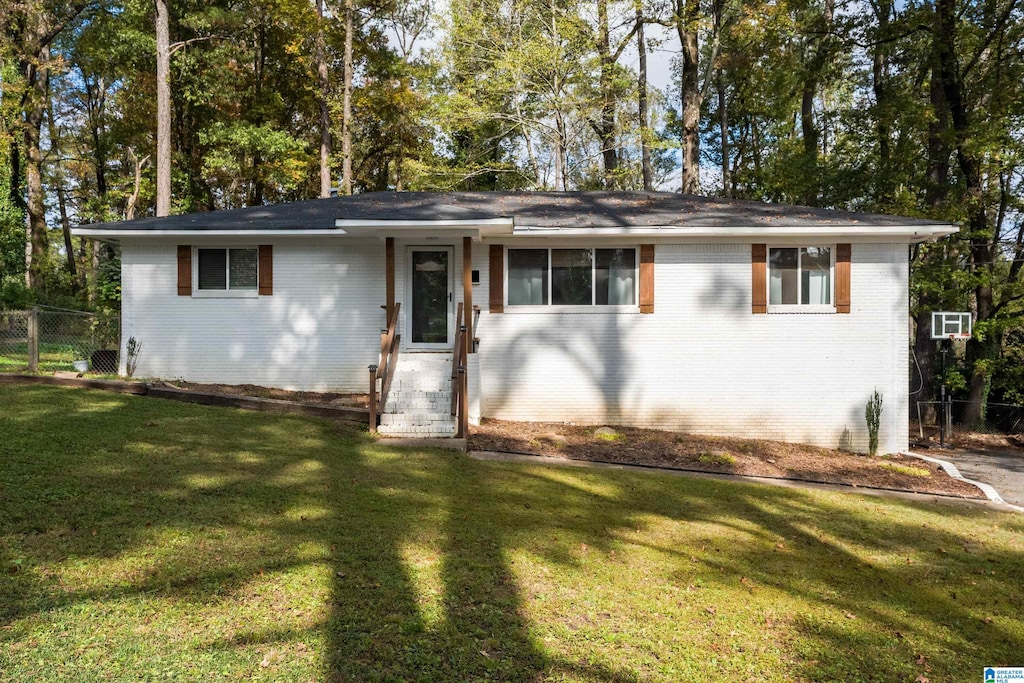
[959, 337]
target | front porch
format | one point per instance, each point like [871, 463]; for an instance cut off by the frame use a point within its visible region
[428, 392]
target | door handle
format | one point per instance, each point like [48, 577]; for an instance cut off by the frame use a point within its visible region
[449, 297]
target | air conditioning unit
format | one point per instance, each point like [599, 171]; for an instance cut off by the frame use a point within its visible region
[951, 325]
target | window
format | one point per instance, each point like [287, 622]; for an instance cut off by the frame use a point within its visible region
[227, 270]
[572, 277]
[800, 276]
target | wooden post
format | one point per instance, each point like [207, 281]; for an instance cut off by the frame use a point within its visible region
[463, 386]
[389, 275]
[33, 339]
[467, 289]
[460, 431]
[373, 398]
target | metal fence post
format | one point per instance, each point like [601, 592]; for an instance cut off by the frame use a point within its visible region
[33, 339]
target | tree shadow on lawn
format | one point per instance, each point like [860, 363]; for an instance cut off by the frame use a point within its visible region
[412, 557]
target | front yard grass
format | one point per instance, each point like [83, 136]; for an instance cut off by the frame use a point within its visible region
[144, 540]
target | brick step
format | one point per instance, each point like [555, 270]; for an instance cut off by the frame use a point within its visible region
[421, 384]
[397, 395]
[439, 430]
[418, 407]
[414, 418]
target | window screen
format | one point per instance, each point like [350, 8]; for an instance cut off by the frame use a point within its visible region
[243, 268]
[213, 272]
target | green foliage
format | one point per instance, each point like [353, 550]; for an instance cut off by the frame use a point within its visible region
[15, 294]
[908, 470]
[872, 415]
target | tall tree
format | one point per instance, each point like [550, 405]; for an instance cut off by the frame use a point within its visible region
[323, 85]
[163, 110]
[346, 110]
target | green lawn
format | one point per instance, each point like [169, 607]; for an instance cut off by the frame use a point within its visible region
[151, 540]
[52, 356]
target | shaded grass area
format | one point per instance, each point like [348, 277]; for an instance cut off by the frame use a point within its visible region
[144, 540]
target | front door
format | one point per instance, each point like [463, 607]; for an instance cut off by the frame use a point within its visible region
[430, 294]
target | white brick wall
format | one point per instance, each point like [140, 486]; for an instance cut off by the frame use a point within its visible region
[702, 362]
[318, 331]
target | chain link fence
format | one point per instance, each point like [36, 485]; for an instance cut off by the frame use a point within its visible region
[48, 339]
[942, 423]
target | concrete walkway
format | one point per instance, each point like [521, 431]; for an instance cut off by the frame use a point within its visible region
[1003, 470]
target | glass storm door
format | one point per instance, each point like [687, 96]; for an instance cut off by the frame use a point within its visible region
[431, 287]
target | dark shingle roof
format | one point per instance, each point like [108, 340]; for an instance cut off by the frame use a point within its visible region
[540, 209]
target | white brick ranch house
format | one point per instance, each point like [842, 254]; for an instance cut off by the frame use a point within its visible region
[660, 310]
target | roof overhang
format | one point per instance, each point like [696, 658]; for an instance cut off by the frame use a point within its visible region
[489, 227]
[506, 227]
[910, 233]
[103, 234]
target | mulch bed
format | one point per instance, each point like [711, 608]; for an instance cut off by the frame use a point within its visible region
[315, 397]
[726, 455]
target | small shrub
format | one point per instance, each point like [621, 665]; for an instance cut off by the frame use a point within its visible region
[873, 414]
[133, 348]
[716, 459]
[602, 436]
[908, 470]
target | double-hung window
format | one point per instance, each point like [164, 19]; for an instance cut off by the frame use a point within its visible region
[227, 271]
[800, 276]
[572, 277]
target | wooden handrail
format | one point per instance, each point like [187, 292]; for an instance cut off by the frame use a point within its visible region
[456, 358]
[384, 370]
[460, 373]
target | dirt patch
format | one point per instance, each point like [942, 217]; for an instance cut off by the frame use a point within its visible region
[718, 454]
[315, 397]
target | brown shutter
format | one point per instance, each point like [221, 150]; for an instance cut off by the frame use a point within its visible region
[843, 278]
[184, 270]
[266, 274]
[496, 303]
[647, 278]
[759, 278]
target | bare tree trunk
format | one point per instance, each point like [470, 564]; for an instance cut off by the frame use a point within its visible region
[346, 112]
[687, 24]
[646, 171]
[325, 115]
[606, 126]
[723, 131]
[561, 172]
[982, 249]
[133, 198]
[36, 106]
[879, 83]
[810, 139]
[163, 111]
[58, 182]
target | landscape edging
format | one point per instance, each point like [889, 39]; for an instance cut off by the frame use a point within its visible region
[270, 405]
[952, 471]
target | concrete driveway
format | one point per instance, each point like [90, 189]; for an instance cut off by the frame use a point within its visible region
[1003, 470]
